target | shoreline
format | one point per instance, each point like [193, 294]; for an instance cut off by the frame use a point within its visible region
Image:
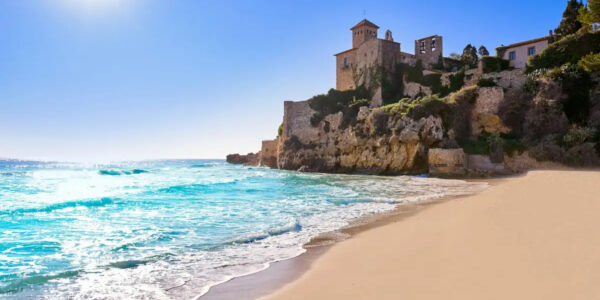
[280, 273]
[524, 237]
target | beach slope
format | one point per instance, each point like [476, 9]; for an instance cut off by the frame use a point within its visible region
[531, 237]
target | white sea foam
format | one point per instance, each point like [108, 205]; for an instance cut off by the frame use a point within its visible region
[179, 230]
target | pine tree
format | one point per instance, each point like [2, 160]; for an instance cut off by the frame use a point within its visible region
[591, 14]
[483, 51]
[570, 23]
[469, 56]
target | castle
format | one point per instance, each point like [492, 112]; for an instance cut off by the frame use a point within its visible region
[368, 50]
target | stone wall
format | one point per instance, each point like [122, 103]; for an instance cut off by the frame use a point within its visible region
[446, 162]
[268, 153]
[296, 122]
[508, 79]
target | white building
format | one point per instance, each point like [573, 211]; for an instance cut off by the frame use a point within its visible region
[518, 54]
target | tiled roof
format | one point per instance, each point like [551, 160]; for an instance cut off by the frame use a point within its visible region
[364, 22]
[525, 43]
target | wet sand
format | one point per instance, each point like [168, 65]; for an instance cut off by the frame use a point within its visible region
[530, 237]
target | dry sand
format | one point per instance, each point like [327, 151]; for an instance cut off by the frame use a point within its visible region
[531, 237]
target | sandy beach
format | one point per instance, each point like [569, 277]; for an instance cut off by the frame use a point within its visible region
[530, 237]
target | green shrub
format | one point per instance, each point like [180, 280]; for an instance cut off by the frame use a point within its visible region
[280, 130]
[513, 109]
[462, 105]
[569, 49]
[335, 101]
[576, 84]
[584, 155]
[590, 63]
[457, 81]
[513, 145]
[494, 64]
[579, 135]
[477, 146]
[486, 82]
[547, 150]
[419, 108]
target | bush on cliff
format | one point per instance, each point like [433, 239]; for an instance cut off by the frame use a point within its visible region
[335, 101]
[419, 108]
[543, 120]
[513, 109]
[486, 82]
[569, 49]
[584, 155]
[462, 102]
[494, 64]
[590, 63]
[576, 85]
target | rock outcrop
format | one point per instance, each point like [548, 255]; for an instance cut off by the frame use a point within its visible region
[251, 159]
[376, 143]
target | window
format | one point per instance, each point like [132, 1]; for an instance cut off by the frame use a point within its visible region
[512, 55]
[422, 46]
[346, 62]
[433, 44]
[531, 51]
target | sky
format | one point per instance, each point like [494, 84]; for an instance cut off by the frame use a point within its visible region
[110, 80]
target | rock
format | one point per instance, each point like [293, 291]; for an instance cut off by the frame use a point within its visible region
[482, 164]
[363, 113]
[484, 116]
[413, 89]
[519, 162]
[432, 130]
[250, 159]
[446, 162]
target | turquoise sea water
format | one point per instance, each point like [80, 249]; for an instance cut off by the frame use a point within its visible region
[171, 229]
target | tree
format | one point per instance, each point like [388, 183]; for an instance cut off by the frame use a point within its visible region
[483, 51]
[590, 14]
[569, 23]
[469, 56]
[455, 56]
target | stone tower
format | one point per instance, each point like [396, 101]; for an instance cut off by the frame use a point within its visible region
[362, 32]
[429, 49]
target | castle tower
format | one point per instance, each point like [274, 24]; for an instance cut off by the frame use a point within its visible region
[362, 32]
[429, 49]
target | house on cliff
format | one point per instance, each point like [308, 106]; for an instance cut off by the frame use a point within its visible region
[518, 53]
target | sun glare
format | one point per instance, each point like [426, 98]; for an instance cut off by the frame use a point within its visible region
[90, 8]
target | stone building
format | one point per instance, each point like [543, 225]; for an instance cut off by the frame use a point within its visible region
[354, 66]
[518, 53]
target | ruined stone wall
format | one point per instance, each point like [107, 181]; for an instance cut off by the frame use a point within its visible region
[296, 122]
[268, 153]
[429, 49]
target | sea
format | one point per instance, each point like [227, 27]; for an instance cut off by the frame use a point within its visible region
[171, 229]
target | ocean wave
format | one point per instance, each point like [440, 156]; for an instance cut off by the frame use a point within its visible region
[294, 227]
[21, 284]
[80, 203]
[113, 172]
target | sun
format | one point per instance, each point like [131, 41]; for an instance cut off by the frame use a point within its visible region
[96, 7]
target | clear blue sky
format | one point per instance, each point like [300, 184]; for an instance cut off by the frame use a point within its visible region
[98, 80]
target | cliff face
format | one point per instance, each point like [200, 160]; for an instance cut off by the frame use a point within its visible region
[373, 143]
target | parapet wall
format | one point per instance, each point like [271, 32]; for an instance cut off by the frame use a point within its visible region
[296, 122]
[268, 153]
